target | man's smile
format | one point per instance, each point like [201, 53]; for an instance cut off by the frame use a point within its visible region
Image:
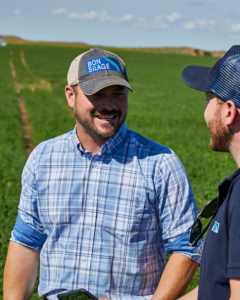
[106, 116]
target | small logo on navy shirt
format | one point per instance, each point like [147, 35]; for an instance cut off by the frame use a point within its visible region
[215, 227]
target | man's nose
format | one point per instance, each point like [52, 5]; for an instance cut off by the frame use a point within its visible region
[108, 103]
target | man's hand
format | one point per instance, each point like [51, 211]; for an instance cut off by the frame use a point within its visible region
[176, 277]
[20, 272]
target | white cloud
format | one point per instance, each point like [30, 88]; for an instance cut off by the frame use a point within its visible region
[189, 25]
[174, 17]
[60, 11]
[203, 23]
[88, 16]
[105, 17]
[156, 23]
[17, 12]
[235, 27]
[126, 18]
[199, 24]
[159, 21]
[92, 15]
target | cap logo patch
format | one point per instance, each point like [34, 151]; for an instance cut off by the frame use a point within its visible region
[103, 63]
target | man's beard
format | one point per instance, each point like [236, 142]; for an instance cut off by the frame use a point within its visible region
[89, 125]
[221, 137]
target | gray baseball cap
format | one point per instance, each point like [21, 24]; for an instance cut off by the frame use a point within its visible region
[96, 69]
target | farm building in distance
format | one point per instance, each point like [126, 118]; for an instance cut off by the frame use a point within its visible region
[3, 41]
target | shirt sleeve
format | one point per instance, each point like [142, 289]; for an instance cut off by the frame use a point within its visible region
[234, 232]
[28, 230]
[177, 208]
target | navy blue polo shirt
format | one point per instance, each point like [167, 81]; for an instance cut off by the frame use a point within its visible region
[221, 254]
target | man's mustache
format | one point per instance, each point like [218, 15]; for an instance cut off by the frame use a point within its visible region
[106, 112]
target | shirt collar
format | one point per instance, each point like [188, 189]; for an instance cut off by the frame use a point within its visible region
[225, 185]
[75, 139]
[110, 146]
[116, 141]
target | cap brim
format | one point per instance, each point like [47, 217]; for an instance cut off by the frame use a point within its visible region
[94, 85]
[197, 77]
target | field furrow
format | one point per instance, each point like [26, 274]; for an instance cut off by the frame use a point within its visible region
[24, 115]
[43, 83]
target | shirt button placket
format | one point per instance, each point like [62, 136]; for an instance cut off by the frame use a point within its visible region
[95, 173]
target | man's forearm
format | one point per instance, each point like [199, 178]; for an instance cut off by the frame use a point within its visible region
[235, 288]
[193, 295]
[176, 277]
[20, 272]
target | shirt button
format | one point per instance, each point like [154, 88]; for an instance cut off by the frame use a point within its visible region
[84, 259]
[91, 196]
[88, 227]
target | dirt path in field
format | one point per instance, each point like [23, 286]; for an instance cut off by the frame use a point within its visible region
[43, 83]
[24, 115]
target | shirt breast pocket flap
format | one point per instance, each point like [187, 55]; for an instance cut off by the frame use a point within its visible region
[124, 218]
[64, 218]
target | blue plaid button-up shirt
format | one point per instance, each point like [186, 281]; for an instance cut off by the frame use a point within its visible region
[103, 222]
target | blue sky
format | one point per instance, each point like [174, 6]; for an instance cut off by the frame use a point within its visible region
[203, 24]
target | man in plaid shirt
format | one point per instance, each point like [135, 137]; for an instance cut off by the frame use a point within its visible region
[101, 204]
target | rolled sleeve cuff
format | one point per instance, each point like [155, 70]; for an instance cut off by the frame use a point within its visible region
[233, 270]
[181, 246]
[27, 236]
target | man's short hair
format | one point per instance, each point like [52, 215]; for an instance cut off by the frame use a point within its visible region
[74, 87]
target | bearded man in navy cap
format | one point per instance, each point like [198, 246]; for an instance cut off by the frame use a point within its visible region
[220, 265]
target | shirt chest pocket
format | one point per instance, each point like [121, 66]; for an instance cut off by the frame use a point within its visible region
[122, 217]
[60, 222]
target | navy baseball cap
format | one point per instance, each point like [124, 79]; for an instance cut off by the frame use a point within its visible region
[223, 78]
[96, 69]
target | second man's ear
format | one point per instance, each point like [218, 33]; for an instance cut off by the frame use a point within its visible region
[230, 113]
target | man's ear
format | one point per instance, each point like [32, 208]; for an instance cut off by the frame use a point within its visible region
[230, 113]
[70, 95]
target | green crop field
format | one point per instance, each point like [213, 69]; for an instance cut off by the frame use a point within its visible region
[161, 108]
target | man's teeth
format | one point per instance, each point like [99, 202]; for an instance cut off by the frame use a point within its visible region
[106, 117]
